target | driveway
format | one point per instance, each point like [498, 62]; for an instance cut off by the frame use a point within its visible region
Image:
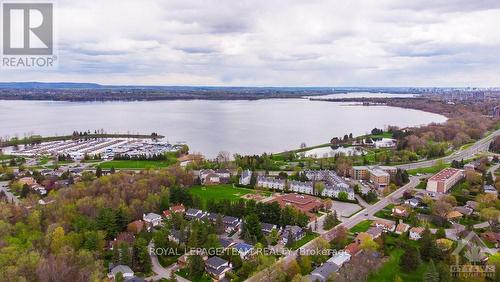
[162, 272]
[11, 197]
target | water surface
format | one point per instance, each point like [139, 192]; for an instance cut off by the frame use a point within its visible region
[245, 127]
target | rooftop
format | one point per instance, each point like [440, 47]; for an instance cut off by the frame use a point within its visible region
[445, 174]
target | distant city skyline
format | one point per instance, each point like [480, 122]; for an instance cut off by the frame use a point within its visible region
[275, 43]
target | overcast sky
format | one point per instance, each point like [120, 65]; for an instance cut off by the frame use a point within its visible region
[276, 43]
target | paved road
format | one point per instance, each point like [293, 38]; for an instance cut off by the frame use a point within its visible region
[364, 214]
[371, 210]
[11, 197]
[162, 272]
[478, 147]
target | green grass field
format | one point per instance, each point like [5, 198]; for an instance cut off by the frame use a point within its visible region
[385, 212]
[309, 237]
[361, 227]
[134, 164]
[426, 170]
[390, 269]
[221, 192]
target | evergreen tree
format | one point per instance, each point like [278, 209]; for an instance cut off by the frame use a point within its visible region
[219, 225]
[428, 248]
[196, 267]
[410, 260]
[431, 275]
[98, 172]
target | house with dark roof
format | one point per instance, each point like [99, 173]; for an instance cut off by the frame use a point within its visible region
[231, 223]
[195, 214]
[177, 236]
[323, 272]
[217, 267]
[267, 228]
[375, 232]
[226, 242]
[296, 232]
[244, 249]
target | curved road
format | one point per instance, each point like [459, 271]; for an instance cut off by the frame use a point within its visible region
[480, 146]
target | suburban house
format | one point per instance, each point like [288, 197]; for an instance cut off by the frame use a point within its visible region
[453, 215]
[413, 202]
[416, 233]
[387, 226]
[226, 242]
[208, 177]
[174, 209]
[177, 236]
[375, 232]
[231, 223]
[30, 181]
[464, 210]
[217, 267]
[400, 211]
[472, 204]
[488, 189]
[340, 258]
[493, 237]
[442, 181]
[195, 214]
[152, 220]
[402, 228]
[267, 228]
[244, 249]
[245, 177]
[385, 143]
[292, 231]
[123, 269]
[323, 272]
[353, 249]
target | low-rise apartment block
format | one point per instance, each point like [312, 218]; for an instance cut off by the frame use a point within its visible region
[442, 181]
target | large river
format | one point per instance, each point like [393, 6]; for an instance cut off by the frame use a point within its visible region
[244, 127]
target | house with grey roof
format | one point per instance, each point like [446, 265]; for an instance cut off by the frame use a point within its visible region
[217, 267]
[323, 272]
[123, 269]
[151, 219]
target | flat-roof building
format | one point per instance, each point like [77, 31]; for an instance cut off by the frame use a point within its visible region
[442, 181]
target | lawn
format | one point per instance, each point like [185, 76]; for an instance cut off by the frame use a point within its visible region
[383, 135]
[135, 164]
[5, 157]
[428, 170]
[184, 273]
[221, 192]
[385, 212]
[390, 269]
[361, 227]
[303, 241]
